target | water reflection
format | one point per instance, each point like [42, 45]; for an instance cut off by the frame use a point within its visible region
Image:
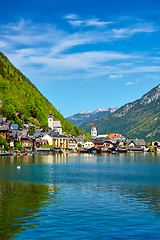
[85, 157]
[18, 204]
[97, 196]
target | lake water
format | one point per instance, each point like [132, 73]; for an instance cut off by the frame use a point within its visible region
[80, 197]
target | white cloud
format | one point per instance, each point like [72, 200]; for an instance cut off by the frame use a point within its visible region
[71, 16]
[96, 22]
[129, 83]
[116, 76]
[138, 28]
[52, 51]
[76, 23]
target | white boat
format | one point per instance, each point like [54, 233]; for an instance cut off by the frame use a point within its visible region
[145, 149]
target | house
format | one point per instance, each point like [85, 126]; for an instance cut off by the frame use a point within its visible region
[40, 142]
[130, 143]
[109, 143]
[2, 121]
[156, 145]
[61, 141]
[23, 131]
[39, 135]
[88, 144]
[72, 144]
[48, 138]
[80, 140]
[140, 143]
[116, 136]
[27, 142]
[4, 131]
[13, 138]
[98, 143]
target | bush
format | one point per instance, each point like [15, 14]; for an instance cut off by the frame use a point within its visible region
[19, 146]
[47, 146]
[3, 142]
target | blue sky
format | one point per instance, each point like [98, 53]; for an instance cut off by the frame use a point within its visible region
[84, 55]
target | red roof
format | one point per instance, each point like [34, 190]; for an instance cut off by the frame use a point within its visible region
[117, 135]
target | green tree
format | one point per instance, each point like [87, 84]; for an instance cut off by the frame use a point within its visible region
[108, 133]
[31, 130]
[19, 146]
[88, 136]
[4, 144]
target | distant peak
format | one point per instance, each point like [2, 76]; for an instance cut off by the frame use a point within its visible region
[95, 111]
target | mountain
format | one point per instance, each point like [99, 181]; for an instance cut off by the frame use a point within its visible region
[19, 95]
[87, 116]
[140, 118]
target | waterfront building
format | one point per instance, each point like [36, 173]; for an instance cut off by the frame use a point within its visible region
[48, 138]
[60, 141]
[88, 144]
[27, 142]
[72, 144]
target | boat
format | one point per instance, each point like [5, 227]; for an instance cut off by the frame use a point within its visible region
[146, 149]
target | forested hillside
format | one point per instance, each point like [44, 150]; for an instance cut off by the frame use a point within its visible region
[19, 95]
[139, 119]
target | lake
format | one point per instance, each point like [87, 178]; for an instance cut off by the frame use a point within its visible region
[72, 196]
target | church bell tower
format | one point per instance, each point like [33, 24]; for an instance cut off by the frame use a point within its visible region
[50, 120]
[93, 130]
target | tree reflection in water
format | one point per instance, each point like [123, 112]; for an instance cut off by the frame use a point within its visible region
[18, 204]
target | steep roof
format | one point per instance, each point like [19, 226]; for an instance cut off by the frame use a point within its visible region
[14, 126]
[57, 124]
[37, 134]
[116, 136]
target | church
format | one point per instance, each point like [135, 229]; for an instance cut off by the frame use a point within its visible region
[54, 125]
[93, 130]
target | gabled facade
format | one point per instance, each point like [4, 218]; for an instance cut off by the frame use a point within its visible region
[4, 132]
[98, 143]
[27, 142]
[48, 138]
[88, 144]
[72, 143]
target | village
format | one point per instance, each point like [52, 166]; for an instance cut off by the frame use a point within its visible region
[51, 140]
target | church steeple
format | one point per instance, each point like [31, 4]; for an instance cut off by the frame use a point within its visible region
[50, 115]
[50, 120]
[93, 124]
[93, 130]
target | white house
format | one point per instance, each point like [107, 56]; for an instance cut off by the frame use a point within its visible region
[88, 144]
[48, 138]
[72, 143]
